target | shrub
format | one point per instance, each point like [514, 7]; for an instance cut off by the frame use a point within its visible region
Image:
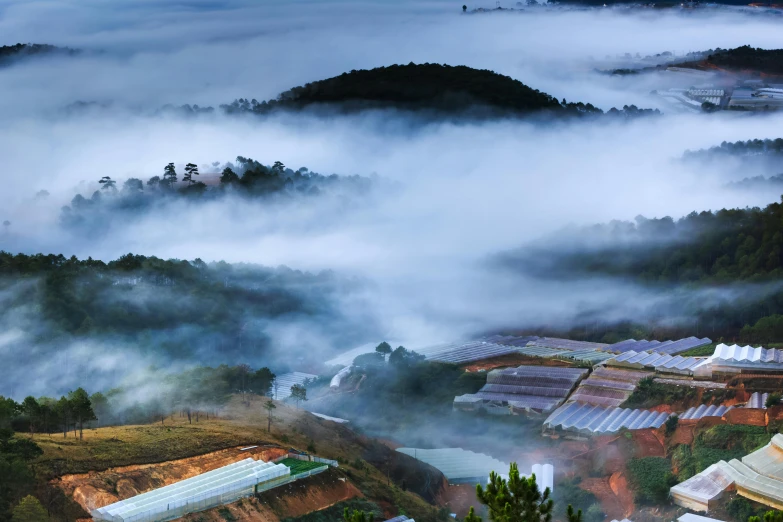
[651, 478]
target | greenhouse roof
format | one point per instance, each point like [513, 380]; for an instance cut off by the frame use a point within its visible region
[597, 419]
[458, 464]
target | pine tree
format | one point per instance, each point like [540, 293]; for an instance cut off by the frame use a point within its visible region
[29, 510]
[169, 176]
[191, 170]
[514, 500]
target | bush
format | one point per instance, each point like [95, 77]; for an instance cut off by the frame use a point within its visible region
[772, 400]
[651, 478]
[683, 462]
[568, 492]
[650, 393]
[726, 442]
[671, 424]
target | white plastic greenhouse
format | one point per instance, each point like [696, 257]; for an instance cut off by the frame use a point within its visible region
[219, 486]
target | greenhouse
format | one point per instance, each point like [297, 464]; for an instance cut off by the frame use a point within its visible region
[758, 477]
[525, 388]
[758, 400]
[608, 387]
[281, 389]
[216, 487]
[663, 363]
[699, 412]
[467, 352]
[665, 347]
[589, 419]
[459, 466]
[567, 344]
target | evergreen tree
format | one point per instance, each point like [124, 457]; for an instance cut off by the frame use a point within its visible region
[29, 510]
[357, 516]
[169, 176]
[514, 500]
[191, 169]
[81, 407]
[299, 393]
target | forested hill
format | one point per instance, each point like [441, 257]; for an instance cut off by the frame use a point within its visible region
[745, 59]
[427, 87]
[173, 308]
[11, 53]
[706, 249]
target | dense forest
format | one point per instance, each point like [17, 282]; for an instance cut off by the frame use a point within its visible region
[431, 88]
[167, 311]
[246, 178]
[701, 250]
[756, 147]
[12, 53]
[748, 59]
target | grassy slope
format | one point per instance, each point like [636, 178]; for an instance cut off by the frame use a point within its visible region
[104, 448]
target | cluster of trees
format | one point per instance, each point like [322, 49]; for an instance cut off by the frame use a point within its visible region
[17, 478]
[399, 387]
[10, 53]
[198, 391]
[429, 88]
[747, 58]
[174, 307]
[247, 177]
[47, 414]
[709, 247]
[753, 147]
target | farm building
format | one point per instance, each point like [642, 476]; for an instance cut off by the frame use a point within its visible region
[459, 466]
[699, 412]
[525, 388]
[608, 387]
[758, 401]
[593, 420]
[220, 486]
[662, 363]
[734, 359]
[281, 389]
[758, 476]
[690, 517]
[665, 347]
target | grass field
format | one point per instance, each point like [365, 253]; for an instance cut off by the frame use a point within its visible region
[301, 466]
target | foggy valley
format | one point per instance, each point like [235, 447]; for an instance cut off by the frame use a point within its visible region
[319, 261]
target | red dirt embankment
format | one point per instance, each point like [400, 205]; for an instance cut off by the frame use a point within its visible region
[97, 489]
[613, 493]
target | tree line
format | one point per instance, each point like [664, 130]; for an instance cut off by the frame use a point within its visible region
[200, 391]
[247, 177]
[174, 307]
[428, 88]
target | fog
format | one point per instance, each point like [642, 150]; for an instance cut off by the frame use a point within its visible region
[466, 190]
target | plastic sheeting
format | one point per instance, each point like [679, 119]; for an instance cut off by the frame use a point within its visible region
[702, 411]
[758, 400]
[759, 476]
[458, 465]
[281, 389]
[591, 419]
[659, 362]
[665, 347]
[212, 488]
[525, 388]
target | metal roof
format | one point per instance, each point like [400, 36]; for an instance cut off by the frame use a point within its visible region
[690, 517]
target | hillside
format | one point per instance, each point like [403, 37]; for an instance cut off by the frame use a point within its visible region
[745, 59]
[20, 51]
[118, 462]
[433, 88]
